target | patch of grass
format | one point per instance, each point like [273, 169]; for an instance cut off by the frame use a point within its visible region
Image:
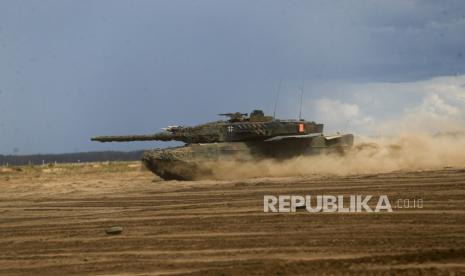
[73, 168]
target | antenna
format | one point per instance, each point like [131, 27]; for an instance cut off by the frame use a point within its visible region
[301, 99]
[277, 98]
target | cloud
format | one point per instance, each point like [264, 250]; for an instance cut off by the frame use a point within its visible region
[434, 105]
[340, 115]
[435, 114]
[441, 108]
[437, 106]
[335, 110]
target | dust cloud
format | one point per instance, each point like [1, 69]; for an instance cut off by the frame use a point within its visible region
[420, 151]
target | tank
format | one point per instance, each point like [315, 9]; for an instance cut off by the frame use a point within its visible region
[239, 137]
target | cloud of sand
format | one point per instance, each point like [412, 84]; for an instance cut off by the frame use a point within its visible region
[369, 155]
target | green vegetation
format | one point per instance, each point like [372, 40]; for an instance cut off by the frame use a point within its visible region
[82, 157]
[75, 168]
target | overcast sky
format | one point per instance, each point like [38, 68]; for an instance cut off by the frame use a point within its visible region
[70, 70]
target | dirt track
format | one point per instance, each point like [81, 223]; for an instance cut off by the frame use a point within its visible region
[53, 222]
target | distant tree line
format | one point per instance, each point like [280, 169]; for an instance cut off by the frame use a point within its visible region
[39, 159]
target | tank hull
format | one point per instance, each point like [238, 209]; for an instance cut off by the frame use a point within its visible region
[188, 162]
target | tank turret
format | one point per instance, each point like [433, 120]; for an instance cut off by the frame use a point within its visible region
[239, 128]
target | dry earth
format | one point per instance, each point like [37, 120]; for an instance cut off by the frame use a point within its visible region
[52, 221]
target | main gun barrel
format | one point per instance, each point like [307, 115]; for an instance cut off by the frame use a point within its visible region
[131, 138]
[186, 136]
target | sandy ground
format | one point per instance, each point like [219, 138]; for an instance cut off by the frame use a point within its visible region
[53, 221]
